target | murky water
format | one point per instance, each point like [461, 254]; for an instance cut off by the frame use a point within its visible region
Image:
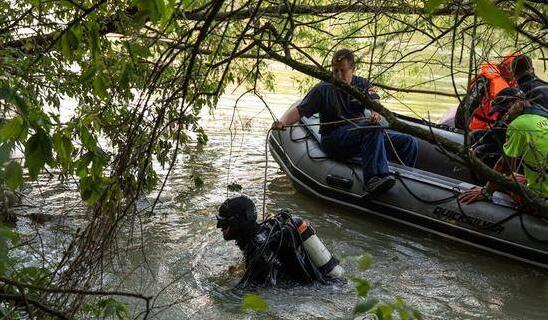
[187, 260]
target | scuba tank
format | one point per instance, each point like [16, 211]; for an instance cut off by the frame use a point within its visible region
[318, 253]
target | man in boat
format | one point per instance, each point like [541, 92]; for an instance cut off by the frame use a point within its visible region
[534, 88]
[488, 147]
[526, 139]
[474, 112]
[281, 248]
[344, 139]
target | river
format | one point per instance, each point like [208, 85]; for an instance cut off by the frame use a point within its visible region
[187, 261]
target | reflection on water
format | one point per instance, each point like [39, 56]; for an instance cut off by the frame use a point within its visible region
[187, 260]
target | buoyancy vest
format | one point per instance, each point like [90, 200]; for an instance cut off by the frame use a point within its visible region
[505, 68]
[481, 120]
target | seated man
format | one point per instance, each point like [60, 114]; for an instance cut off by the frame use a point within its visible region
[526, 138]
[280, 248]
[373, 145]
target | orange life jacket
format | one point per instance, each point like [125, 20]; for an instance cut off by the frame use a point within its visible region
[481, 120]
[505, 68]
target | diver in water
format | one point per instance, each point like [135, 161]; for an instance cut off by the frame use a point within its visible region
[280, 248]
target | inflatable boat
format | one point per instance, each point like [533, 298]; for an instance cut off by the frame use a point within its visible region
[424, 197]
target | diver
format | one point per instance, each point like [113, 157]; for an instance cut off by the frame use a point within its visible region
[281, 248]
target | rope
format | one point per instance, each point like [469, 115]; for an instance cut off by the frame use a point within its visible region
[397, 175]
[394, 148]
[265, 171]
[305, 138]
[500, 222]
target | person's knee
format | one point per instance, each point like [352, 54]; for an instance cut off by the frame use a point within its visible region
[372, 136]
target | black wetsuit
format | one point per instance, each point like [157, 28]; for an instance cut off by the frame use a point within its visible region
[276, 254]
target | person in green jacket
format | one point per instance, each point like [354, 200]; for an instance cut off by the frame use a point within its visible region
[526, 144]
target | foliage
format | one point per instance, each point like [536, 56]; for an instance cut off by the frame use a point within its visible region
[105, 309]
[234, 187]
[30, 283]
[254, 302]
[139, 72]
[382, 310]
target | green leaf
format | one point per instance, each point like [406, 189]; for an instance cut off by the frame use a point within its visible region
[149, 8]
[38, 152]
[64, 148]
[82, 164]
[493, 15]
[69, 43]
[87, 139]
[92, 189]
[100, 159]
[88, 74]
[7, 239]
[94, 40]
[152, 8]
[5, 152]
[198, 182]
[10, 95]
[235, 187]
[35, 276]
[136, 50]
[38, 119]
[202, 136]
[124, 76]
[100, 87]
[13, 129]
[365, 306]
[160, 8]
[431, 5]
[518, 8]
[365, 262]
[384, 312]
[254, 302]
[109, 308]
[362, 286]
[14, 175]
[168, 12]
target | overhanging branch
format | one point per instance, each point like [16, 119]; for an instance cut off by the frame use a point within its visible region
[532, 199]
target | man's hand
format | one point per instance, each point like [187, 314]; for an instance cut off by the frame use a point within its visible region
[375, 118]
[472, 195]
[277, 125]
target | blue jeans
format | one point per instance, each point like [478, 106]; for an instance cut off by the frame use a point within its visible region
[372, 146]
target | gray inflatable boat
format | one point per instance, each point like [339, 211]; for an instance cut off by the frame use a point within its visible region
[424, 197]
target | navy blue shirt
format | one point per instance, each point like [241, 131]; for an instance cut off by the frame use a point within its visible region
[534, 89]
[333, 104]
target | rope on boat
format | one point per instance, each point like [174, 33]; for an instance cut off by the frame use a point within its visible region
[265, 170]
[305, 138]
[397, 175]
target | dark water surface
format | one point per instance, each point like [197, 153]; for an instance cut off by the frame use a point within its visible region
[187, 260]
